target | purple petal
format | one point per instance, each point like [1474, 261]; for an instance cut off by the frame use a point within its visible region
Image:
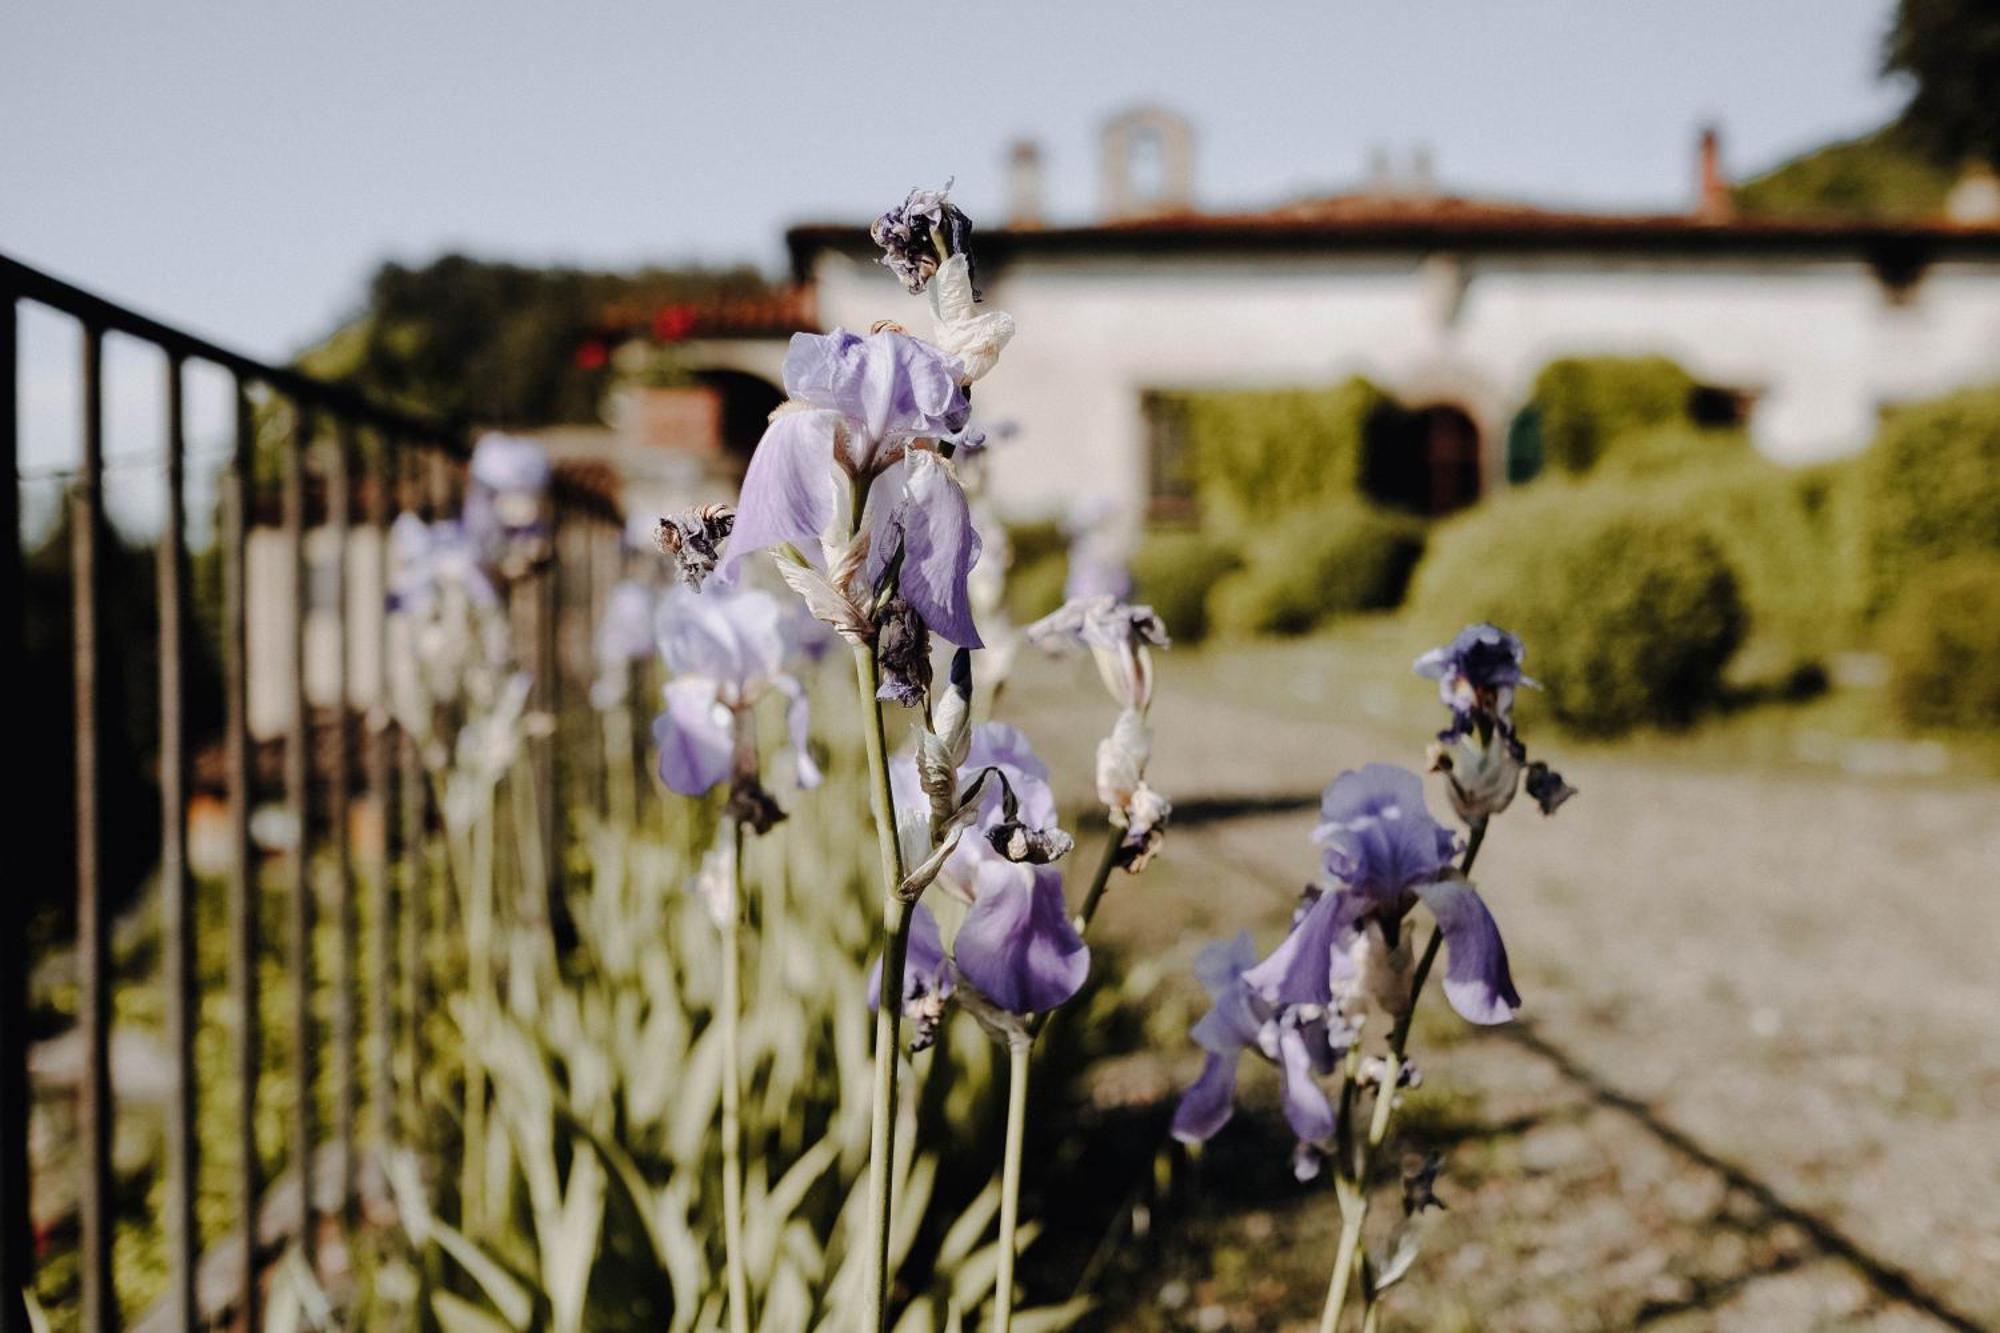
[730, 635]
[888, 386]
[1301, 969]
[1306, 1107]
[924, 970]
[1208, 1102]
[940, 547]
[798, 721]
[788, 492]
[1222, 963]
[1476, 978]
[1017, 944]
[1377, 834]
[694, 737]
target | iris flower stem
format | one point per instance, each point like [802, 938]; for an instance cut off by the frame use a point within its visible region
[1354, 1208]
[1113, 840]
[888, 1014]
[1019, 1052]
[731, 1005]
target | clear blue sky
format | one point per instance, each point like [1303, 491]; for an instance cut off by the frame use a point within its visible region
[240, 168]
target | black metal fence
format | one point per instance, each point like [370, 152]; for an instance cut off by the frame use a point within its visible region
[345, 465]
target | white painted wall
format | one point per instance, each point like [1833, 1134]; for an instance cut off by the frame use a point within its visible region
[1816, 337]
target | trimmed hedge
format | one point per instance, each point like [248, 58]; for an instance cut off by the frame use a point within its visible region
[1334, 559]
[1174, 572]
[1038, 569]
[1930, 489]
[1256, 455]
[1630, 614]
[1585, 403]
[1942, 639]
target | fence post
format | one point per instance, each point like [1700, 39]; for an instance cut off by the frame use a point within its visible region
[245, 897]
[17, 1267]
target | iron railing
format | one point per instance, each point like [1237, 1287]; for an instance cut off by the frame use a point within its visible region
[348, 463]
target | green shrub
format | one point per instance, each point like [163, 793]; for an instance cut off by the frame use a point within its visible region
[1037, 570]
[1783, 534]
[1942, 639]
[1584, 403]
[1630, 614]
[1930, 489]
[1331, 560]
[1672, 449]
[1257, 454]
[1174, 572]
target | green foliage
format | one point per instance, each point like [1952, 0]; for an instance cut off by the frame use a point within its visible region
[1585, 403]
[497, 343]
[1258, 454]
[1174, 572]
[1942, 639]
[1950, 49]
[1673, 449]
[1331, 560]
[1038, 570]
[1930, 487]
[1629, 614]
[1878, 177]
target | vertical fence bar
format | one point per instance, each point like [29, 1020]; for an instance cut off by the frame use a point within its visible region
[382, 970]
[176, 891]
[16, 1242]
[244, 895]
[298, 775]
[339, 494]
[93, 944]
[415, 871]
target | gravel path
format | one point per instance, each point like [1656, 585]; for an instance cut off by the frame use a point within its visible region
[1759, 1081]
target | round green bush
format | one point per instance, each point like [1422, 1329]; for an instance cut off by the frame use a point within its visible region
[1257, 454]
[1629, 614]
[1942, 639]
[1584, 403]
[1173, 572]
[1672, 450]
[1930, 487]
[1327, 561]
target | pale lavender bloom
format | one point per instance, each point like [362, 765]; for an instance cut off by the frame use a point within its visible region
[1298, 1039]
[1119, 637]
[727, 649]
[912, 234]
[1385, 853]
[866, 401]
[431, 557]
[624, 636]
[506, 502]
[1018, 946]
[927, 979]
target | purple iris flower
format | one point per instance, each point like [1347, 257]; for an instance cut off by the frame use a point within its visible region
[624, 636]
[430, 557]
[1298, 1039]
[1477, 674]
[859, 405]
[506, 502]
[927, 979]
[1385, 854]
[727, 649]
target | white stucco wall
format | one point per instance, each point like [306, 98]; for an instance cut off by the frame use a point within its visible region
[1816, 338]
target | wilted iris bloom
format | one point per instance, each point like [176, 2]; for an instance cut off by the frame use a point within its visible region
[918, 233]
[726, 649]
[1384, 853]
[927, 980]
[507, 503]
[1477, 674]
[1120, 638]
[1014, 766]
[1298, 1039]
[868, 407]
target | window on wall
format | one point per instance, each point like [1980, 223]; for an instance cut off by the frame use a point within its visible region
[1169, 456]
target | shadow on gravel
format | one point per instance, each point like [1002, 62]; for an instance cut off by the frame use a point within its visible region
[1889, 1281]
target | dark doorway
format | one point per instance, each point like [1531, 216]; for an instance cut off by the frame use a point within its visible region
[1425, 461]
[747, 404]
